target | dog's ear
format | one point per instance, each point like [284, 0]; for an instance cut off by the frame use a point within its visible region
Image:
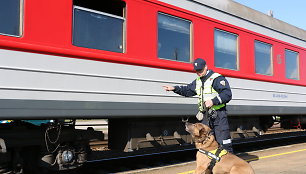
[200, 130]
[196, 132]
[202, 134]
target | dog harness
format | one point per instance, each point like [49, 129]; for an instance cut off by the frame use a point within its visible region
[214, 155]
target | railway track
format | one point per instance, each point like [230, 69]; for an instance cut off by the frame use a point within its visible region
[279, 138]
[136, 161]
[103, 160]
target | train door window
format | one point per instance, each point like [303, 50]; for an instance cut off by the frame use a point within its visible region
[10, 17]
[263, 58]
[99, 24]
[173, 38]
[226, 50]
[292, 64]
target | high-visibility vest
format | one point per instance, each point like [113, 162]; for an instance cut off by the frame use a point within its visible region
[207, 92]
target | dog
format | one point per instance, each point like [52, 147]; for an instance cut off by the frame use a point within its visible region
[205, 141]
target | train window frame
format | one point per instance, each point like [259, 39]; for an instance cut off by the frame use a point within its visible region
[297, 64]
[237, 50]
[20, 22]
[190, 37]
[121, 46]
[271, 58]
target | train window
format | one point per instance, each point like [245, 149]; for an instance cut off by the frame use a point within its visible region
[263, 58]
[292, 64]
[226, 50]
[99, 24]
[173, 38]
[10, 17]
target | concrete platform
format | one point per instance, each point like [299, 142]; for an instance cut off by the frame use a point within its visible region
[284, 160]
[281, 160]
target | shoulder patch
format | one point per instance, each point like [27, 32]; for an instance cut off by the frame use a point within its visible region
[222, 82]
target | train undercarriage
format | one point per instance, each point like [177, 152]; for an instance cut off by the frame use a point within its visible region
[53, 146]
[61, 145]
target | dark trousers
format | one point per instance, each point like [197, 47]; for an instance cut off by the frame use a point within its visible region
[220, 127]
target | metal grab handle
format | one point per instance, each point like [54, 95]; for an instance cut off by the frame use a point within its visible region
[2, 146]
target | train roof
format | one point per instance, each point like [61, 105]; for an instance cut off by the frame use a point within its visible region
[260, 18]
[237, 10]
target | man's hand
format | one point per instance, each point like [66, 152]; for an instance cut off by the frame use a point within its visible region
[209, 103]
[168, 88]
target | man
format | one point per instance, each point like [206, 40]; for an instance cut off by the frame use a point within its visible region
[214, 92]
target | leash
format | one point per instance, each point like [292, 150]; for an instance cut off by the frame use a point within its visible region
[210, 115]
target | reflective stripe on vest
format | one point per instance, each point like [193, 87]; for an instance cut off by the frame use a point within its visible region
[207, 92]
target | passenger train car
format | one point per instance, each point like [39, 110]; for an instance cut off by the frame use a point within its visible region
[62, 60]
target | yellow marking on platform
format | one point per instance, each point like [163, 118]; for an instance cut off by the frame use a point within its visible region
[189, 172]
[258, 158]
[269, 156]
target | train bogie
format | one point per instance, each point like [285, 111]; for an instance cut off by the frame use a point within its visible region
[53, 146]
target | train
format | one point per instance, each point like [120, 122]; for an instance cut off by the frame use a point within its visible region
[62, 61]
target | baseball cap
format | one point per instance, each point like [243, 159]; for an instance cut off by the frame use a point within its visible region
[199, 64]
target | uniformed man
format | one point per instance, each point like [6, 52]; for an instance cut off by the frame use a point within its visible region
[214, 92]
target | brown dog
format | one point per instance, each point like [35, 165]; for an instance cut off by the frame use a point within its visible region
[229, 163]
